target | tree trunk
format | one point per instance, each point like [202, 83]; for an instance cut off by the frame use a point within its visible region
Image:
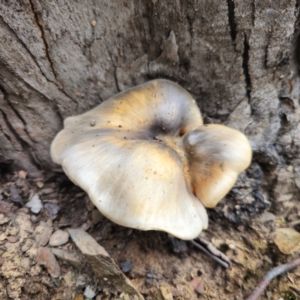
[238, 58]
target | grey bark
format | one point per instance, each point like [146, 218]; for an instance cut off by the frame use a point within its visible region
[238, 58]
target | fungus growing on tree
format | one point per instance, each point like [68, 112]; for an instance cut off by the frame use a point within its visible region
[147, 161]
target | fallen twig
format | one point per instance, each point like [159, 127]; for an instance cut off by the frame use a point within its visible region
[294, 223]
[248, 242]
[297, 291]
[215, 254]
[270, 275]
[211, 248]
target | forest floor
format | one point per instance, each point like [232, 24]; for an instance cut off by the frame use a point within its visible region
[159, 266]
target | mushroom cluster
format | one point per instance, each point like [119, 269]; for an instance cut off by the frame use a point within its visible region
[148, 162]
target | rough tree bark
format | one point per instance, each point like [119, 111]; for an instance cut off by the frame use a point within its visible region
[238, 58]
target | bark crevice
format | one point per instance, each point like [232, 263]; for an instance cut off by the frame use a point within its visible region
[58, 84]
[190, 22]
[6, 134]
[28, 141]
[23, 45]
[24, 144]
[253, 5]
[114, 65]
[231, 20]
[43, 38]
[245, 66]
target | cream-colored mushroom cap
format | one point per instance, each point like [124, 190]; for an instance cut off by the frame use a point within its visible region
[146, 159]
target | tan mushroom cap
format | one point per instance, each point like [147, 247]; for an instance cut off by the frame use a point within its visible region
[144, 156]
[120, 153]
[217, 155]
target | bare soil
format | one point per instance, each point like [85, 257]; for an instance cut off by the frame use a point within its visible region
[158, 265]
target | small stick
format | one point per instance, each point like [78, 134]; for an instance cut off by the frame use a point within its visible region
[294, 223]
[213, 250]
[297, 291]
[217, 259]
[270, 275]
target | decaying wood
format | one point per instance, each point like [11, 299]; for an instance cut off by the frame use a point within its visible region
[106, 271]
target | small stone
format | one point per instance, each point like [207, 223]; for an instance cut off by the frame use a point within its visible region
[25, 263]
[14, 195]
[35, 204]
[68, 277]
[287, 240]
[62, 220]
[149, 283]
[14, 288]
[32, 252]
[34, 219]
[96, 216]
[3, 236]
[59, 238]
[52, 210]
[25, 225]
[166, 293]
[27, 245]
[176, 292]
[52, 198]
[43, 238]
[89, 204]
[12, 230]
[266, 217]
[40, 228]
[198, 286]
[22, 174]
[85, 226]
[80, 282]
[35, 270]
[126, 267]
[79, 195]
[123, 296]
[93, 23]
[46, 258]
[3, 219]
[89, 292]
[6, 209]
[12, 247]
[40, 184]
[12, 239]
[70, 257]
[46, 191]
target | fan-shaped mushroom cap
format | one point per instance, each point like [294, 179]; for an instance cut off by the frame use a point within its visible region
[127, 155]
[143, 155]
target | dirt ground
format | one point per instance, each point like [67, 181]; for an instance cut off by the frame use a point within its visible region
[159, 266]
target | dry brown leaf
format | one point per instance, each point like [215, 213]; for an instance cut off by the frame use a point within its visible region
[287, 240]
[198, 286]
